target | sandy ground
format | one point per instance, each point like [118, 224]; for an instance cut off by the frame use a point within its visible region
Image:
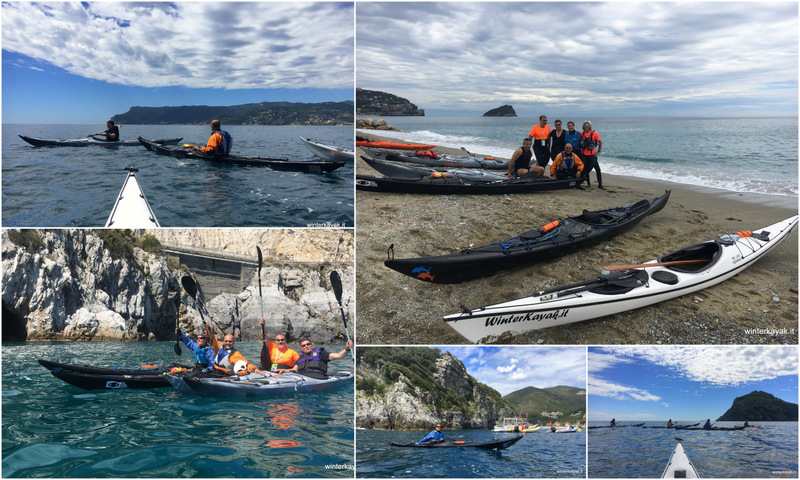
[393, 309]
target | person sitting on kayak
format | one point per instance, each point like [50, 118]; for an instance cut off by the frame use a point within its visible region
[746, 424]
[435, 436]
[111, 133]
[277, 356]
[313, 362]
[227, 356]
[566, 165]
[520, 162]
[707, 425]
[613, 422]
[669, 423]
[219, 143]
[203, 352]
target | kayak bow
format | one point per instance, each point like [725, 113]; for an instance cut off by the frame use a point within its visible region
[132, 210]
[679, 465]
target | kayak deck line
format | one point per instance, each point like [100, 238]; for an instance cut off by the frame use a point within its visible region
[131, 209]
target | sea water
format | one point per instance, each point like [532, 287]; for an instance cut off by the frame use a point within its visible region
[53, 429]
[537, 455]
[757, 155]
[77, 186]
[766, 452]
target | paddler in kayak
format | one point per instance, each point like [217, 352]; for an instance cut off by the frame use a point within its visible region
[669, 423]
[227, 356]
[707, 425]
[111, 133]
[613, 422]
[520, 162]
[435, 436]
[277, 356]
[219, 143]
[313, 362]
[566, 165]
[203, 352]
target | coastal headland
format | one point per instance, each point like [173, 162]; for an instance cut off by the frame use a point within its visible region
[758, 306]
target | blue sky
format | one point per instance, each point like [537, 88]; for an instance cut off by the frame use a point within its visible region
[508, 369]
[600, 58]
[85, 62]
[653, 384]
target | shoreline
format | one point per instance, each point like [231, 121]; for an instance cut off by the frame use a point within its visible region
[395, 309]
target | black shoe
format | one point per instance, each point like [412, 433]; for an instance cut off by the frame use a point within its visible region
[600, 187]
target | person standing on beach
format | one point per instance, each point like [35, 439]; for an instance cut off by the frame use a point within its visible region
[558, 138]
[540, 133]
[574, 137]
[520, 162]
[590, 146]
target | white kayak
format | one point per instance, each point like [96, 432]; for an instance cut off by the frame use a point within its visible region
[712, 262]
[131, 209]
[326, 152]
[679, 465]
[255, 384]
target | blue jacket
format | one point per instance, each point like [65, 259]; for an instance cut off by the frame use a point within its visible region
[192, 345]
[434, 436]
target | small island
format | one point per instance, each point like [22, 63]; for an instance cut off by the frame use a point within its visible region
[504, 111]
[761, 407]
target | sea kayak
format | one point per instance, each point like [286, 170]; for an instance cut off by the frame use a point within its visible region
[132, 210]
[718, 260]
[712, 429]
[88, 141]
[490, 445]
[617, 426]
[434, 159]
[674, 426]
[393, 145]
[90, 377]
[407, 179]
[679, 465]
[256, 384]
[326, 152]
[322, 166]
[544, 243]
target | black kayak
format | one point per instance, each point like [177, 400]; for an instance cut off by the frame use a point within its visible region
[712, 428]
[674, 426]
[438, 160]
[90, 377]
[491, 445]
[89, 141]
[544, 243]
[407, 179]
[322, 166]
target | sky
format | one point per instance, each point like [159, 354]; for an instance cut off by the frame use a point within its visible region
[508, 369]
[70, 62]
[598, 58]
[685, 383]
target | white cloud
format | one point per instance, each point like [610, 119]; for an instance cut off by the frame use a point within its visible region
[230, 45]
[604, 388]
[614, 55]
[507, 369]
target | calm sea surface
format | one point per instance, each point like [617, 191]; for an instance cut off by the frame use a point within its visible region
[52, 429]
[77, 186]
[538, 455]
[766, 452]
[757, 155]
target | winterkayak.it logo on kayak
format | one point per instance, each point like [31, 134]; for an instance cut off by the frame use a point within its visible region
[528, 317]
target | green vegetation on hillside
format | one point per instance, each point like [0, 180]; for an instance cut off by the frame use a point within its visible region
[561, 403]
[373, 102]
[760, 406]
[265, 113]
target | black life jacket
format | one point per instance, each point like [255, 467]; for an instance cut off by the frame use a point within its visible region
[312, 362]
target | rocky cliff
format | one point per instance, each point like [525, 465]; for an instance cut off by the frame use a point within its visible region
[412, 388]
[758, 406]
[504, 111]
[374, 102]
[82, 285]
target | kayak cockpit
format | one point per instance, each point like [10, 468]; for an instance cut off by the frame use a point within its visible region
[706, 254]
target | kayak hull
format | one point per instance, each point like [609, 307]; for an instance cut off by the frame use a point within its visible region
[679, 465]
[441, 160]
[617, 426]
[89, 377]
[90, 141]
[575, 232]
[491, 445]
[256, 385]
[323, 166]
[325, 152]
[131, 209]
[622, 291]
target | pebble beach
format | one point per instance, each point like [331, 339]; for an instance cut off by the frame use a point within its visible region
[758, 306]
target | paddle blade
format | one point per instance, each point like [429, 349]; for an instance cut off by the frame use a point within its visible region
[189, 285]
[336, 284]
[178, 345]
[260, 260]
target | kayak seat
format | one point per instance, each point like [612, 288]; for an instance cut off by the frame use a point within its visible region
[667, 278]
[622, 283]
[703, 251]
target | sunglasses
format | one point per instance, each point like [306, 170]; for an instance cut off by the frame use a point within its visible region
[280, 340]
[305, 344]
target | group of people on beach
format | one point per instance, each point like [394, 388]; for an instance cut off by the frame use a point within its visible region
[574, 153]
[223, 358]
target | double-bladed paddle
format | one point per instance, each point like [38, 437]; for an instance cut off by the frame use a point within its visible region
[260, 297]
[336, 283]
[612, 268]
